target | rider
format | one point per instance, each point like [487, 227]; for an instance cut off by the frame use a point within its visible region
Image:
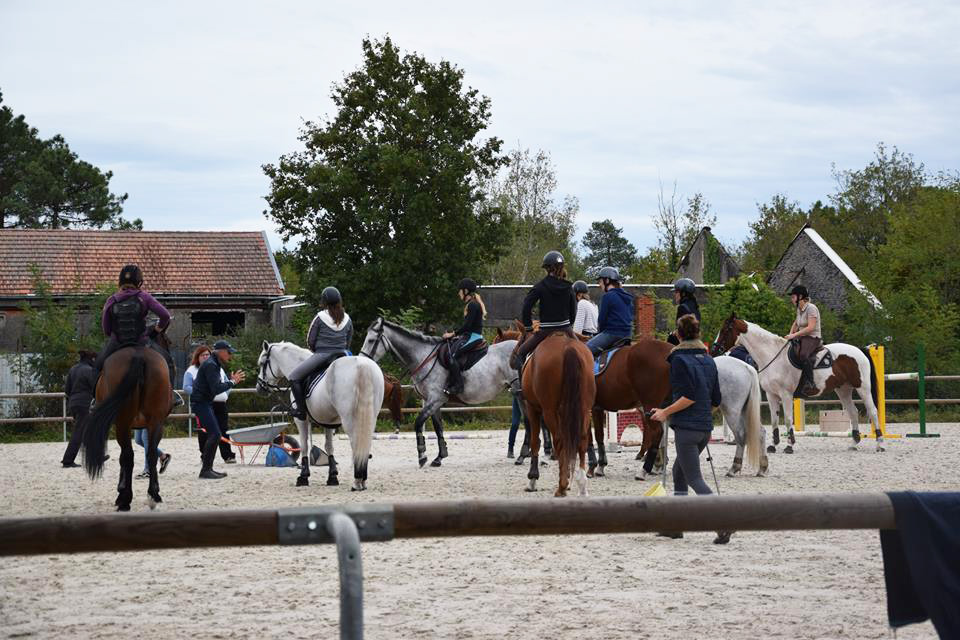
[683, 295]
[616, 312]
[124, 320]
[558, 307]
[806, 331]
[329, 338]
[586, 320]
[469, 332]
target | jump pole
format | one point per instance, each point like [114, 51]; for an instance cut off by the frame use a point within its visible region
[921, 394]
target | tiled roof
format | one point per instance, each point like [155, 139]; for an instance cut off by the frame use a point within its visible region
[173, 262]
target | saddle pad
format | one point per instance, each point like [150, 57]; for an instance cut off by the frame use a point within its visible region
[313, 381]
[602, 360]
[823, 359]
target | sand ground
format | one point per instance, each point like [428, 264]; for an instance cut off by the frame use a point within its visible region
[761, 585]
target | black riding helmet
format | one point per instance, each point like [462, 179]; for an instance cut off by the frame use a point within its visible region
[685, 285]
[800, 291]
[552, 259]
[469, 285]
[330, 296]
[580, 286]
[610, 273]
[131, 274]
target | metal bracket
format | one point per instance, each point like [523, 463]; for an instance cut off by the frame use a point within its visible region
[308, 525]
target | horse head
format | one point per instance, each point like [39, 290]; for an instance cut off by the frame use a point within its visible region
[268, 376]
[729, 334]
[374, 344]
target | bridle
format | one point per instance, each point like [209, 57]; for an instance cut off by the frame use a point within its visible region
[266, 367]
[760, 369]
[376, 343]
[382, 340]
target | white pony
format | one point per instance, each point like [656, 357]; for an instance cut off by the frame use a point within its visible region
[740, 389]
[851, 370]
[349, 394]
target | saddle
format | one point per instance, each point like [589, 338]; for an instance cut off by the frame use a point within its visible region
[603, 359]
[822, 359]
[467, 356]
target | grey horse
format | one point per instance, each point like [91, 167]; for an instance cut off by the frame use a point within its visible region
[417, 353]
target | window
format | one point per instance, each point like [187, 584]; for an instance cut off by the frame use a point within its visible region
[215, 323]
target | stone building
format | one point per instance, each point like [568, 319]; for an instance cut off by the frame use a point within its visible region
[212, 282]
[810, 261]
[707, 262]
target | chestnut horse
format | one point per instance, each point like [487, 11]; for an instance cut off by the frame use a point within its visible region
[637, 377]
[393, 399]
[134, 389]
[558, 387]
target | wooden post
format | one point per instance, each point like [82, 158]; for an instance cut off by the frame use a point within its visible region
[799, 414]
[922, 394]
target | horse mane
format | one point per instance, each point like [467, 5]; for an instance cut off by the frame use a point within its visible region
[411, 333]
[751, 326]
[295, 346]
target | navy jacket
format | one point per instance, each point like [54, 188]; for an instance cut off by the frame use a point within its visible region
[208, 385]
[558, 304]
[693, 375]
[81, 385]
[688, 305]
[616, 313]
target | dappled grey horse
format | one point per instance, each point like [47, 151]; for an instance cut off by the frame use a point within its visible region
[418, 354]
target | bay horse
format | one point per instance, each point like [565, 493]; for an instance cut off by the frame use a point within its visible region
[558, 387]
[133, 389]
[852, 370]
[393, 399]
[350, 394]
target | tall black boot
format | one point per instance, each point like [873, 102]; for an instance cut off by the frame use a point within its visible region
[455, 379]
[299, 408]
[209, 451]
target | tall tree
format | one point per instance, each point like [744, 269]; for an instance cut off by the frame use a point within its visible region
[387, 193]
[607, 247]
[769, 235]
[540, 221]
[696, 216]
[43, 184]
[678, 223]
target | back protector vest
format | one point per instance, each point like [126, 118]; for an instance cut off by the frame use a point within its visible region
[129, 320]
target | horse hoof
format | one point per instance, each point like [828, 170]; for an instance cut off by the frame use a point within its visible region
[881, 449]
[303, 482]
[333, 482]
[423, 461]
[519, 461]
[123, 507]
[771, 449]
[640, 476]
[436, 462]
[529, 490]
[788, 449]
[589, 474]
[559, 494]
[731, 474]
[601, 473]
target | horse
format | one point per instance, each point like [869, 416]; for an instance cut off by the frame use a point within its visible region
[852, 370]
[418, 354]
[133, 389]
[350, 394]
[393, 399]
[740, 405]
[559, 388]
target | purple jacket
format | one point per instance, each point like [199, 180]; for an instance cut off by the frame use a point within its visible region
[149, 304]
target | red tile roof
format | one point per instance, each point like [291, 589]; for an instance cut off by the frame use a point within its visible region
[173, 262]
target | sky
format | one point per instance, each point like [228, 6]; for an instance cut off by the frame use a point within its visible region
[185, 101]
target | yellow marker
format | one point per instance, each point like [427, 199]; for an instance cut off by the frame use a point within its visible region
[876, 355]
[656, 491]
[799, 414]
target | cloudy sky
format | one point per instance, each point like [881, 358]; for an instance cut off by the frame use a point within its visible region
[184, 101]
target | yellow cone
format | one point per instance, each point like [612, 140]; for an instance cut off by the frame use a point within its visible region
[656, 491]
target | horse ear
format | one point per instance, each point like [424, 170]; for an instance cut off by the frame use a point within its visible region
[265, 345]
[499, 332]
[518, 324]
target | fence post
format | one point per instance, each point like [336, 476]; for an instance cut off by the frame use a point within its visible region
[64, 405]
[799, 414]
[922, 394]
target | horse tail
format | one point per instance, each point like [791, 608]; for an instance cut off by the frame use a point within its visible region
[754, 424]
[873, 378]
[364, 413]
[99, 421]
[395, 400]
[571, 406]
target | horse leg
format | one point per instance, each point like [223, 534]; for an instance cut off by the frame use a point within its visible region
[525, 448]
[872, 416]
[738, 429]
[534, 429]
[592, 455]
[360, 475]
[303, 428]
[421, 440]
[846, 400]
[774, 401]
[551, 420]
[579, 475]
[125, 486]
[787, 405]
[333, 474]
[597, 417]
[153, 491]
[547, 441]
[441, 443]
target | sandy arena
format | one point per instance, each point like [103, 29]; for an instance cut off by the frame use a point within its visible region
[761, 585]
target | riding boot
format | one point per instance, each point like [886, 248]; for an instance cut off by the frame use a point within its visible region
[209, 451]
[455, 379]
[299, 408]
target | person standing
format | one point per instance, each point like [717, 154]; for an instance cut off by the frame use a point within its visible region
[806, 331]
[695, 389]
[586, 321]
[207, 385]
[200, 355]
[684, 295]
[80, 389]
[615, 320]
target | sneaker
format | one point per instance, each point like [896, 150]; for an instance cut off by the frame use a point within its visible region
[231, 460]
[69, 465]
[143, 475]
[164, 461]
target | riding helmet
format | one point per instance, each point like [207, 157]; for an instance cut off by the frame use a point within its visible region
[469, 285]
[610, 273]
[552, 259]
[330, 296]
[579, 286]
[131, 274]
[685, 285]
[800, 291]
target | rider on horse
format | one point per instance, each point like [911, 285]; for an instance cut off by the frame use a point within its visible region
[329, 338]
[124, 320]
[683, 295]
[616, 312]
[469, 332]
[806, 331]
[586, 321]
[558, 307]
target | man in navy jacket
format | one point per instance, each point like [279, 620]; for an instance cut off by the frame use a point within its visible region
[616, 312]
[206, 386]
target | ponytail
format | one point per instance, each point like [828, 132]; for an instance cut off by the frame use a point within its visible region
[483, 307]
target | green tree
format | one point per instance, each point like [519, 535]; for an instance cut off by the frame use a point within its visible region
[652, 268]
[768, 237]
[696, 216]
[678, 224]
[752, 300]
[386, 195]
[606, 246]
[539, 221]
[43, 184]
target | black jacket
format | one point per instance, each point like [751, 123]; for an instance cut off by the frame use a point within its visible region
[473, 321]
[207, 385]
[688, 305]
[81, 385]
[558, 304]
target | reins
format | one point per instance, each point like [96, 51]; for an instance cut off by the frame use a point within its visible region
[772, 360]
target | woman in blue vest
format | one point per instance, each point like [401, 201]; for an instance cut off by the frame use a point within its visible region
[616, 312]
